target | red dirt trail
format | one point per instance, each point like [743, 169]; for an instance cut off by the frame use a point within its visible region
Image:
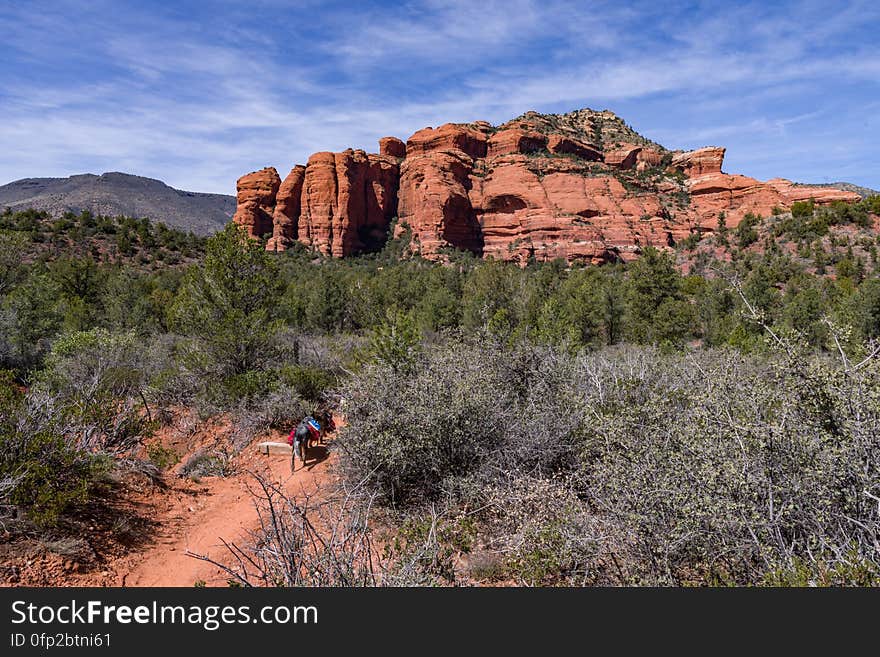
[167, 521]
[222, 509]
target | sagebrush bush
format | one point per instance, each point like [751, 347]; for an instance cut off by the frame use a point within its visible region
[657, 468]
[282, 409]
[97, 380]
[407, 433]
[206, 463]
[42, 471]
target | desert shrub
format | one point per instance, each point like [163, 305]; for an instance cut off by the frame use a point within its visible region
[746, 234]
[801, 209]
[246, 386]
[846, 569]
[332, 353]
[652, 468]
[691, 241]
[685, 456]
[12, 251]
[282, 408]
[162, 457]
[544, 531]
[656, 309]
[301, 542]
[226, 304]
[406, 433]
[98, 379]
[690, 472]
[11, 394]
[840, 212]
[166, 382]
[805, 226]
[395, 342]
[309, 383]
[206, 463]
[423, 549]
[30, 315]
[54, 475]
[43, 472]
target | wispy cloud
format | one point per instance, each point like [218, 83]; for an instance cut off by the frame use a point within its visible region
[197, 94]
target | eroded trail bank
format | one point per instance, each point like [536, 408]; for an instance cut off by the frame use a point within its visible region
[167, 521]
[220, 509]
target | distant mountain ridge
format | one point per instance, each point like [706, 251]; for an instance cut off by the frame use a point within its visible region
[116, 193]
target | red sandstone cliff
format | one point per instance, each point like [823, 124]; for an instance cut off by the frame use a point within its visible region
[580, 186]
[257, 194]
[338, 204]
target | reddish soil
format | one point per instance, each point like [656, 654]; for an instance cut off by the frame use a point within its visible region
[170, 520]
[196, 521]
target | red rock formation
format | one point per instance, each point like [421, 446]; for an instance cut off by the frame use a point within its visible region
[515, 140]
[699, 162]
[392, 146]
[256, 194]
[505, 193]
[648, 158]
[288, 202]
[446, 137]
[566, 145]
[562, 215]
[820, 195]
[737, 195]
[319, 199]
[624, 157]
[434, 202]
[367, 203]
[734, 195]
[348, 200]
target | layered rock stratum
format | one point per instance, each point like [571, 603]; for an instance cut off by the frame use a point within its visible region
[582, 186]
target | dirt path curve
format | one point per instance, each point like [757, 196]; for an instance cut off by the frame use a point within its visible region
[194, 517]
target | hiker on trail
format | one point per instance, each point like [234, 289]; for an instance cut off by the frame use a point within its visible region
[308, 431]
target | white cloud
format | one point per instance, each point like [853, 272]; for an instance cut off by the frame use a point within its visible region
[171, 98]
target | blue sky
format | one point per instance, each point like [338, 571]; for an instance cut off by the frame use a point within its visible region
[197, 93]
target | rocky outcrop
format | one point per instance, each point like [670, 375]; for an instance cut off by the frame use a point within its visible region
[392, 146]
[435, 204]
[447, 137]
[319, 202]
[515, 140]
[288, 203]
[562, 215]
[791, 193]
[256, 193]
[581, 186]
[624, 157]
[735, 196]
[348, 200]
[647, 158]
[568, 146]
[699, 162]
[338, 204]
